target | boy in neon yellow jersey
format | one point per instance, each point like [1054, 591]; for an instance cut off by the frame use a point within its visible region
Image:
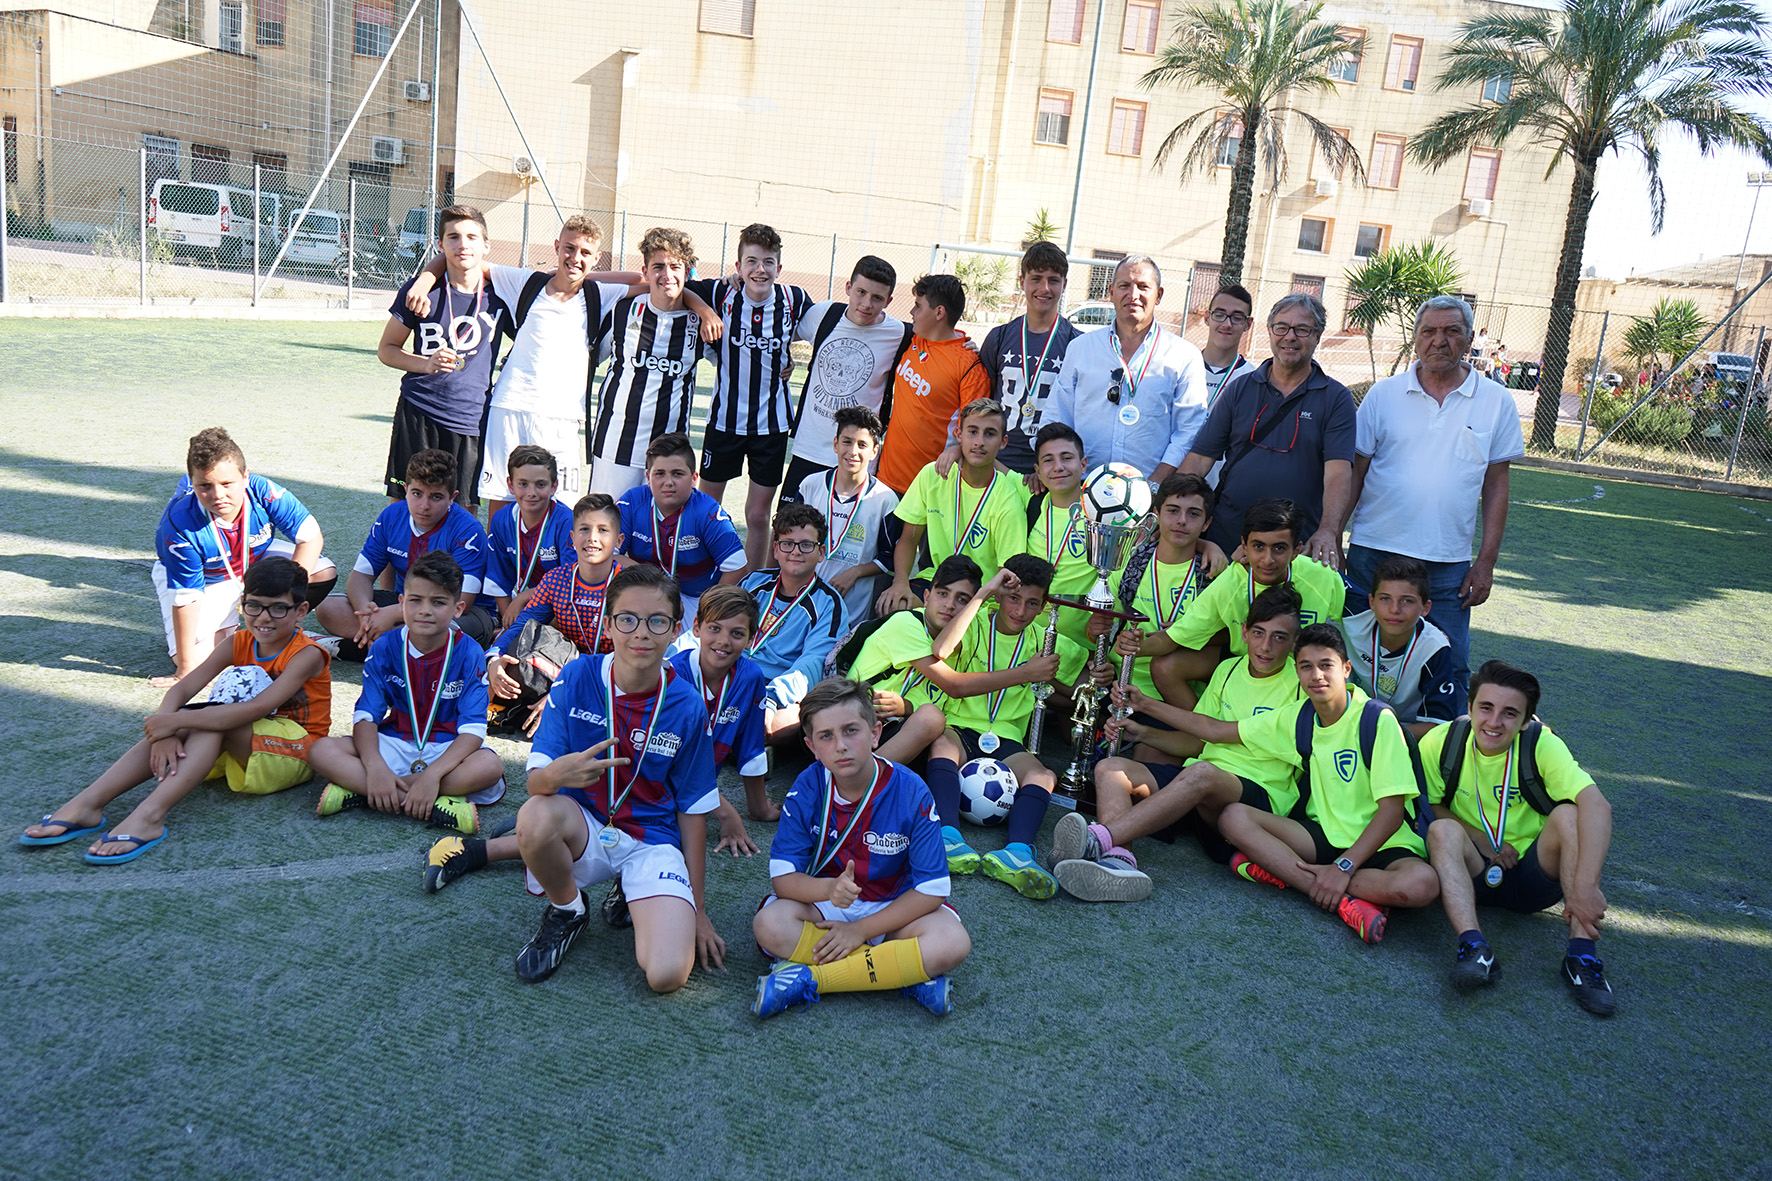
[1349, 846]
[1162, 782]
[975, 511]
[1496, 851]
[1055, 533]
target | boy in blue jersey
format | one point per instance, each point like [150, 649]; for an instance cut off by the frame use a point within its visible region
[670, 524]
[218, 524]
[427, 521]
[417, 743]
[529, 534]
[621, 778]
[800, 617]
[859, 877]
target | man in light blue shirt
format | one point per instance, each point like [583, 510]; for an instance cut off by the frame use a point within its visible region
[1134, 391]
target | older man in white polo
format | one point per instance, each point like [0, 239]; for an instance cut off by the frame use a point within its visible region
[1433, 446]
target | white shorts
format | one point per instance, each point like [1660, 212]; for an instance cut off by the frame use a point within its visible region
[400, 754]
[506, 430]
[219, 606]
[614, 478]
[647, 871]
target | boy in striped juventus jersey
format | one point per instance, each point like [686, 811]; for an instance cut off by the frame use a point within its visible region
[656, 344]
[751, 415]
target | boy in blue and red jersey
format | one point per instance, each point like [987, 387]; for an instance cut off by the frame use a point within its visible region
[681, 530]
[528, 535]
[859, 871]
[733, 687]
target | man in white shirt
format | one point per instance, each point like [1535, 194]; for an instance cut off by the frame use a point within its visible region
[1134, 391]
[1432, 444]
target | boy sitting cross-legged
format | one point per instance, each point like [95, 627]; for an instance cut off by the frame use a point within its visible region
[857, 871]
[800, 617]
[863, 529]
[669, 523]
[260, 744]
[621, 779]
[528, 535]
[1163, 781]
[417, 743]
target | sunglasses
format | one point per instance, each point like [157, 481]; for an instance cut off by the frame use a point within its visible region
[628, 623]
[1117, 376]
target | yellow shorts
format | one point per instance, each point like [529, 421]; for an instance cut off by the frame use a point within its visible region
[279, 759]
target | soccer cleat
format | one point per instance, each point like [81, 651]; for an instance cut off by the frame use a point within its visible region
[1245, 868]
[455, 812]
[780, 991]
[451, 858]
[503, 828]
[1106, 879]
[962, 858]
[541, 956]
[1475, 967]
[1587, 976]
[1075, 839]
[936, 995]
[1015, 868]
[1366, 919]
[615, 908]
[335, 799]
[328, 643]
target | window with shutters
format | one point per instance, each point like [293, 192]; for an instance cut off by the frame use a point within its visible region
[209, 164]
[1053, 123]
[1126, 128]
[1230, 146]
[1385, 168]
[1101, 279]
[1403, 69]
[729, 18]
[162, 157]
[230, 33]
[273, 168]
[372, 33]
[1370, 240]
[1479, 176]
[1205, 286]
[1308, 285]
[1139, 35]
[1064, 22]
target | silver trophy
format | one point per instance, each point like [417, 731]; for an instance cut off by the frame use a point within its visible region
[1042, 691]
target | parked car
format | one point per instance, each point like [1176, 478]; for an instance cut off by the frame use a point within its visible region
[414, 242]
[195, 216]
[319, 241]
[1091, 314]
[1735, 367]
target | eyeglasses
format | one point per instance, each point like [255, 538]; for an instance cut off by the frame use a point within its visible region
[796, 547]
[274, 610]
[1118, 376]
[627, 623]
[1220, 316]
[1263, 442]
[1298, 330]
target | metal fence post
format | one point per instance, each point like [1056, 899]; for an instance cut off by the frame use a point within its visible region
[1750, 391]
[142, 215]
[725, 232]
[1593, 384]
[258, 229]
[350, 241]
[621, 241]
[830, 287]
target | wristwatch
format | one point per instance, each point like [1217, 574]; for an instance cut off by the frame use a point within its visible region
[1344, 865]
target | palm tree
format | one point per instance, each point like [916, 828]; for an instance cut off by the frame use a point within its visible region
[1672, 329]
[1392, 285]
[1254, 55]
[1602, 76]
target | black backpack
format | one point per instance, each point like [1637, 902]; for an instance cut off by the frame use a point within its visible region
[827, 326]
[843, 656]
[540, 652]
[1420, 809]
[1532, 788]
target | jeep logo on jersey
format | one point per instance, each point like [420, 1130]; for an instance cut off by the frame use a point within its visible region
[886, 843]
[666, 365]
[748, 341]
[918, 383]
[1345, 762]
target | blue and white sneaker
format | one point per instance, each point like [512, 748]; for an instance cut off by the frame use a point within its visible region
[780, 991]
[936, 995]
[962, 858]
[1014, 865]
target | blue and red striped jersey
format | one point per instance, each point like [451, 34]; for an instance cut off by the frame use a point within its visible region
[190, 543]
[462, 683]
[513, 563]
[692, 544]
[896, 844]
[735, 709]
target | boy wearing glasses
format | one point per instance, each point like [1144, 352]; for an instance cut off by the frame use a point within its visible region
[1286, 430]
[1227, 322]
[800, 618]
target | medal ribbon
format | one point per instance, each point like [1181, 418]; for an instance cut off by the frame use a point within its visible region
[244, 520]
[1070, 528]
[1225, 380]
[834, 537]
[421, 737]
[1498, 833]
[1030, 383]
[645, 738]
[715, 704]
[819, 858]
[1146, 348]
[599, 592]
[1378, 652]
[995, 700]
[772, 622]
[523, 583]
[476, 304]
[977, 511]
[658, 538]
[1165, 621]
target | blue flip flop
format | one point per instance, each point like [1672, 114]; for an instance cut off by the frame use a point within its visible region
[141, 844]
[71, 834]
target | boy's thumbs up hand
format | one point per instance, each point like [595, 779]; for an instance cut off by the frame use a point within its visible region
[844, 891]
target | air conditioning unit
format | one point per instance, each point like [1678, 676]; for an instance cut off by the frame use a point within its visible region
[1478, 206]
[528, 166]
[417, 91]
[385, 149]
[1328, 186]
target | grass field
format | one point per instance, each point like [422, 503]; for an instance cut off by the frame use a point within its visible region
[270, 994]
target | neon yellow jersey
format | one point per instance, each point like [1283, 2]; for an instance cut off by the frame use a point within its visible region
[1563, 781]
[1344, 792]
[1016, 706]
[1225, 605]
[1235, 695]
[1057, 536]
[886, 657]
[994, 529]
[1174, 592]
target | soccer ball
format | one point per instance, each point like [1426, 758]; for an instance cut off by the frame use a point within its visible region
[987, 788]
[1116, 494]
[243, 682]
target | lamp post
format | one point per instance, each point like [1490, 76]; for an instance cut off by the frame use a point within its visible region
[1755, 181]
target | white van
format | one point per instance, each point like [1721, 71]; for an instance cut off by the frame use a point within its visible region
[195, 215]
[320, 239]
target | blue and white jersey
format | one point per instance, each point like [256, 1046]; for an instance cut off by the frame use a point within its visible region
[895, 844]
[675, 773]
[795, 632]
[736, 711]
[518, 559]
[394, 542]
[197, 550]
[694, 546]
[456, 672]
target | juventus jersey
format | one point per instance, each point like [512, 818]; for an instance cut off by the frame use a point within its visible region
[651, 380]
[751, 394]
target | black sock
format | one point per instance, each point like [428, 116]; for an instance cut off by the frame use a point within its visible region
[474, 850]
[1473, 936]
[1027, 813]
[1584, 947]
[943, 776]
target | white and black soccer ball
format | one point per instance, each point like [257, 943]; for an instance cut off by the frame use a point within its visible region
[243, 682]
[1116, 494]
[987, 788]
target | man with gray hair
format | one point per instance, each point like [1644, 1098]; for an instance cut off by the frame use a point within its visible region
[1285, 429]
[1134, 391]
[1434, 443]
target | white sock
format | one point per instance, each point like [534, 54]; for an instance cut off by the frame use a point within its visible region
[576, 906]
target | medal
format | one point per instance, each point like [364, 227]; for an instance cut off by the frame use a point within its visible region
[820, 858]
[609, 835]
[1498, 832]
[1379, 678]
[995, 700]
[1149, 351]
[1128, 415]
[988, 742]
[772, 622]
[1493, 877]
[421, 738]
[418, 766]
[977, 511]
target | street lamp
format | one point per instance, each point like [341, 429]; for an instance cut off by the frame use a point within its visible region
[1755, 181]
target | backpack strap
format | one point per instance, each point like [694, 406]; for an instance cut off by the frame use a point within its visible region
[904, 346]
[1531, 783]
[1034, 507]
[1458, 733]
[531, 289]
[1307, 719]
[1138, 560]
[826, 326]
[1422, 804]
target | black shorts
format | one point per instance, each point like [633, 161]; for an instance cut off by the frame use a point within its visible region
[1254, 795]
[414, 432]
[1524, 889]
[1327, 854]
[723, 456]
[1006, 746]
[798, 469]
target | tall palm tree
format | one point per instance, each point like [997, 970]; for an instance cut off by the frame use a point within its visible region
[1255, 55]
[1602, 76]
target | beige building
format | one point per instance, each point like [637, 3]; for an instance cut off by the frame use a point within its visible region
[1714, 284]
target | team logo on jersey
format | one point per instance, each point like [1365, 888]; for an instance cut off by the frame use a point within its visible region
[1074, 547]
[1261, 709]
[975, 537]
[886, 844]
[584, 715]
[918, 383]
[452, 689]
[661, 744]
[261, 537]
[730, 714]
[1387, 684]
[1345, 762]
[1306, 618]
[548, 554]
[669, 366]
[1494, 793]
[749, 341]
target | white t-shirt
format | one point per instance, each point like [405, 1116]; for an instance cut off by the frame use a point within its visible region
[856, 529]
[851, 369]
[1425, 485]
[550, 360]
